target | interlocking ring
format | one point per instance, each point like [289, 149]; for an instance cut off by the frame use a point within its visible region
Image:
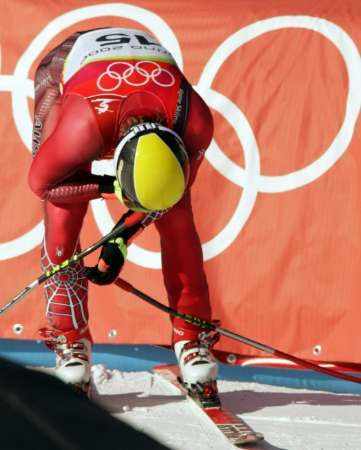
[156, 75]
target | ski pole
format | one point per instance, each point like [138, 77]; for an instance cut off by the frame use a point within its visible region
[230, 334]
[126, 223]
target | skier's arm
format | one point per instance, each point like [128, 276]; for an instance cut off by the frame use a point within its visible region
[56, 170]
[113, 254]
[82, 187]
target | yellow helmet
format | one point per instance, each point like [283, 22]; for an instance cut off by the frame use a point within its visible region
[152, 167]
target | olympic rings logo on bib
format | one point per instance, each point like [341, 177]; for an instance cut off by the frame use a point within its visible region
[160, 76]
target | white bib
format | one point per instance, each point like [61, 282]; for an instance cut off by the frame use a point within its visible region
[113, 44]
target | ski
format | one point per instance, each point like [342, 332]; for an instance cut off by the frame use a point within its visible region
[235, 429]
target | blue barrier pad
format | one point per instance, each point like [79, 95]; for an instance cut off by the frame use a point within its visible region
[131, 358]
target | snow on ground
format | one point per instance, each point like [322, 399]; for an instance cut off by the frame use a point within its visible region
[290, 419]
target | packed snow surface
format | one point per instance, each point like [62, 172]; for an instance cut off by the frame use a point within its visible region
[290, 419]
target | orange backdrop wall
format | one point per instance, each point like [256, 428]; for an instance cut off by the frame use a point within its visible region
[277, 201]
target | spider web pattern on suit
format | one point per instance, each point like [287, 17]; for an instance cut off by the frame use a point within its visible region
[65, 294]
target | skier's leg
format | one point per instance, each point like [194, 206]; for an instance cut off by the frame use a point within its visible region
[187, 288]
[66, 293]
[182, 266]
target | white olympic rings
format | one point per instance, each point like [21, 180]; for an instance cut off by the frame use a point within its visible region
[156, 75]
[250, 177]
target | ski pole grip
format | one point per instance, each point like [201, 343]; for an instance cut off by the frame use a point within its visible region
[123, 284]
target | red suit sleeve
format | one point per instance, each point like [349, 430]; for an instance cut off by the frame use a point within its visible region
[72, 146]
[198, 132]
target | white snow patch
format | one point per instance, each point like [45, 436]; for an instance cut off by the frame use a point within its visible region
[290, 419]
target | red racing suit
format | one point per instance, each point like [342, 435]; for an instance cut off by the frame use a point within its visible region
[88, 91]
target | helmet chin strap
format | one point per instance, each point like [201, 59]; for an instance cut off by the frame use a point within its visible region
[118, 192]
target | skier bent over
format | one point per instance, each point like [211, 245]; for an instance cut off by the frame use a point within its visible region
[116, 93]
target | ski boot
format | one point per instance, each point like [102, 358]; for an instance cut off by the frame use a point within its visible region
[73, 355]
[198, 368]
